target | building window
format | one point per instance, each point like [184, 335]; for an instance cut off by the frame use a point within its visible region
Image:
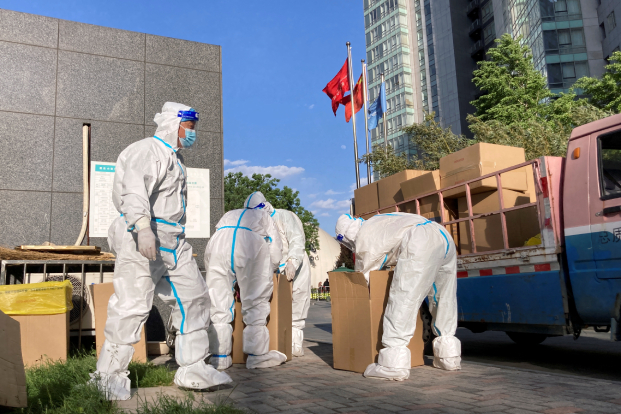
[487, 11]
[602, 30]
[612, 23]
[550, 41]
[489, 33]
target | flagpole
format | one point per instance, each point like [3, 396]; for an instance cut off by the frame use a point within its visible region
[384, 126]
[350, 75]
[365, 93]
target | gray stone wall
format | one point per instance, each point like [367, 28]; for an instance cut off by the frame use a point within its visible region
[612, 42]
[57, 75]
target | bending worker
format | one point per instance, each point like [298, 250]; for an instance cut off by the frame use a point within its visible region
[245, 249]
[152, 256]
[296, 267]
[425, 258]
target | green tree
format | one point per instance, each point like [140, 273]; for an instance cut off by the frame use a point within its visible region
[237, 187]
[434, 142]
[605, 93]
[386, 162]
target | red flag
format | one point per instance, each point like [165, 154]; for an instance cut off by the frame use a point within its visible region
[337, 87]
[358, 100]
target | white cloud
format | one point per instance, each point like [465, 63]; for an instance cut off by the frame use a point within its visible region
[311, 106]
[331, 204]
[235, 163]
[289, 160]
[343, 147]
[332, 192]
[277, 171]
[363, 182]
[324, 215]
[313, 195]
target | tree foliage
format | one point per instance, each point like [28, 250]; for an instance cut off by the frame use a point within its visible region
[605, 93]
[386, 162]
[434, 142]
[237, 187]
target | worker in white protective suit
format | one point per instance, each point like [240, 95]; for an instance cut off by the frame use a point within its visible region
[296, 267]
[245, 249]
[152, 257]
[425, 259]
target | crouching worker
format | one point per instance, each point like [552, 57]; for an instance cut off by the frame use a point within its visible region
[296, 267]
[152, 257]
[245, 249]
[425, 259]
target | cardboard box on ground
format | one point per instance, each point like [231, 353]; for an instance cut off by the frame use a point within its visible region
[357, 320]
[278, 324]
[12, 373]
[54, 329]
[101, 296]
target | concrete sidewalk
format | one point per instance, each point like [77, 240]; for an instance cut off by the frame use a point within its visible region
[310, 385]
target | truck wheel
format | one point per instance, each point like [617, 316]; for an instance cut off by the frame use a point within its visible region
[523, 338]
[428, 335]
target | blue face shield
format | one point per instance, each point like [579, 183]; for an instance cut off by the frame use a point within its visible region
[260, 206]
[190, 115]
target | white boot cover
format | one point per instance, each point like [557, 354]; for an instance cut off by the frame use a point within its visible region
[447, 353]
[111, 377]
[268, 360]
[200, 376]
[297, 342]
[256, 340]
[392, 364]
[220, 345]
[191, 347]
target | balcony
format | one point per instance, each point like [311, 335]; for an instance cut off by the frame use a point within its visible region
[472, 10]
[477, 50]
[475, 29]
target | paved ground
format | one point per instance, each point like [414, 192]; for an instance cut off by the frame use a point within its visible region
[310, 385]
[592, 355]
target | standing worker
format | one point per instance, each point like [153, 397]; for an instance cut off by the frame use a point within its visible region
[152, 256]
[296, 267]
[425, 258]
[246, 250]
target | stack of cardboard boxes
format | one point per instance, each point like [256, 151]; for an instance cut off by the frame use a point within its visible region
[468, 164]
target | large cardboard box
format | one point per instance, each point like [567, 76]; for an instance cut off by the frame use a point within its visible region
[101, 293]
[357, 320]
[12, 373]
[521, 224]
[430, 209]
[43, 337]
[389, 188]
[279, 322]
[478, 160]
[366, 199]
[422, 184]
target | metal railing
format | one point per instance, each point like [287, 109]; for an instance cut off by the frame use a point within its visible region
[538, 204]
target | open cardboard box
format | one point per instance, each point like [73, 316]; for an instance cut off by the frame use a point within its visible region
[279, 323]
[101, 296]
[12, 373]
[357, 320]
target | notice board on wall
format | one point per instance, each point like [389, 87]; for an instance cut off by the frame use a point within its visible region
[102, 211]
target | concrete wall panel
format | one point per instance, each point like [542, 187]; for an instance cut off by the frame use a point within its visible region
[103, 41]
[182, 53]
[24, 217]
[28, 28]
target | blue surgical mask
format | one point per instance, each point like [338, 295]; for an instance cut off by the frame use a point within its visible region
[190, 138]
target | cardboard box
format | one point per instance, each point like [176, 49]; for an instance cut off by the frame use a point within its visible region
[279, 322]
[368, 216]
[366, 199]
[12, 373]
[43, 337]
[430, 209]
[422, 184]
[357, 320]
[521, 224]
[157, 348]
[101, 296]
[389, 188]
[478, 160]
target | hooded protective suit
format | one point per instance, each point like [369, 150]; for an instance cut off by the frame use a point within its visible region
[149, 191]
[425, 259]
[245, 249]
[296, 266]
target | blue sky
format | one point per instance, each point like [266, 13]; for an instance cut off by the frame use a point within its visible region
[277, 56]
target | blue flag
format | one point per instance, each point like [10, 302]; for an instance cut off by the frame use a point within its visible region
[377, 108]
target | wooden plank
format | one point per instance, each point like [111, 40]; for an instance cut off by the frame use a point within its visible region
[61, 249]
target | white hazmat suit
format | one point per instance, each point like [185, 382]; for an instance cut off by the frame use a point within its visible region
[245, 249]
[150, 193]
[296, 266]
[425, 258]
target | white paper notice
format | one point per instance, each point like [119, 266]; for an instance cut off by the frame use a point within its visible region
[197, 210]
[101, 212]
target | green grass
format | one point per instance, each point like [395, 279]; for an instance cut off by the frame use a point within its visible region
[61, 388]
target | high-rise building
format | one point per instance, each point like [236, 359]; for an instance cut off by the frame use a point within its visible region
[427, 51]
